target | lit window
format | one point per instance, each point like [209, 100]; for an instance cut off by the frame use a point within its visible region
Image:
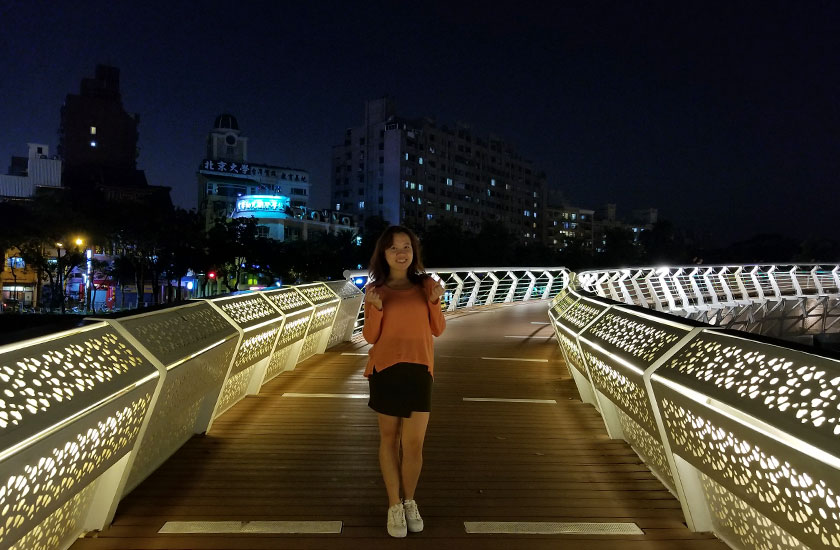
[361, 204]
[420, 160]
[429, 216]
[406, 156]
[449, 207]
[527, 213]
[535, 194]
[419, 200]
[406, 184]
[420, 187]
[412, 185]
[93, 144]
[93, 130]
[493, 182]
[574, 216]
[449, 181]
[338, 206]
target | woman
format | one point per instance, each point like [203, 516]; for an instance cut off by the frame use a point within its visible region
[402, 313]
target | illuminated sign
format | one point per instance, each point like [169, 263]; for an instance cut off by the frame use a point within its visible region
[262, 203]
[225, 167]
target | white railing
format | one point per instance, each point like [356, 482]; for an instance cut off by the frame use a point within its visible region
[470, 287]
[786, 301]
[88, 414]
[744, 430]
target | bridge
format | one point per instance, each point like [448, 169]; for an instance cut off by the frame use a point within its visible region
[639, 409]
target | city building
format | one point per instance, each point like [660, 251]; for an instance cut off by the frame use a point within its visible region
[569, 225]
[641, 220]
[27, 174]
[278, 220]
[98, 141]
[414, 172]
[226, 177]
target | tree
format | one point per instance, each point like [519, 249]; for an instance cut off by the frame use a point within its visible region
[664, 244]
[100, 270]
[620, 250]
[446, 244]
[231, 243]
[181, 247]
[122, 273]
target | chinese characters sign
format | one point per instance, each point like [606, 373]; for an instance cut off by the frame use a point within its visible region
[225, 167]
[265, 203]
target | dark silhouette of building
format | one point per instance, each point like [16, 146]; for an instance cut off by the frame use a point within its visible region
[98, 140]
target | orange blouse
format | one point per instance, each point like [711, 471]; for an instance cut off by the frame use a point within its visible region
[401, 332]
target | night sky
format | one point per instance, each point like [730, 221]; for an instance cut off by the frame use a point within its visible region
[724, 115]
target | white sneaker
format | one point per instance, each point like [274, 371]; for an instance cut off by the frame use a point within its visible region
[412, 516]
[396, 521]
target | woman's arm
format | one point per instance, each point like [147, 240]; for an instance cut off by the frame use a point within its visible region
[434, 291]
[373, 316]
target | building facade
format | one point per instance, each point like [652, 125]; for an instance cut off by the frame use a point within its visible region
[26, 177]
[277, 219]
[566, 226]
[641, 220]
[98, 142]
[226, 175]
[27, 174]
[414, 172]
[95, 128]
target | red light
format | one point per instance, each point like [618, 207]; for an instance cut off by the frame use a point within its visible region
[211, 275]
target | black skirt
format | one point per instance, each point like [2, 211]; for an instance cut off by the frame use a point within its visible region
[401, 389]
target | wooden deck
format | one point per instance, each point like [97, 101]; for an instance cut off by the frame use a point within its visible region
[314, 458]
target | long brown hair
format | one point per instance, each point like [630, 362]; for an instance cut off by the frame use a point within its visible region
[379, 270]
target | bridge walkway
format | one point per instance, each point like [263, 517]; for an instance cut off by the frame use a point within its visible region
[278, 457]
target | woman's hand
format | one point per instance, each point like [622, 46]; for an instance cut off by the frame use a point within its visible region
[435, 293]
[373, 296]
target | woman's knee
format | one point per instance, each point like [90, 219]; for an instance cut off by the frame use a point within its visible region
[389, 434]
[412, 446]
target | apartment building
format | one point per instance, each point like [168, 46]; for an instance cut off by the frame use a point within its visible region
[414, 172]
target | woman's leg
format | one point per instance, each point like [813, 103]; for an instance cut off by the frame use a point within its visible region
[413, 434]
[389, 455]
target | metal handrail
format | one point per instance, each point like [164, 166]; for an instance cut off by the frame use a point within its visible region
[743, 430]
[470, 287]
[87, 414]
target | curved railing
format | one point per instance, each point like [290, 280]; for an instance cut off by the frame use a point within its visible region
[786, 301]
[743, 429]
[87, 414]
[470, 287]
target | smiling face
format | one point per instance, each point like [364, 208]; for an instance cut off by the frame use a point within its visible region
[400, 254]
